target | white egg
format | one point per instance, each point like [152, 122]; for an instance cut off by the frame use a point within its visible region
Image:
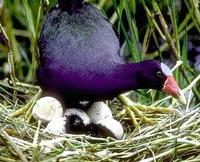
[46, 109]
[99, 111]
[79, 113]
[56, 126]
[111, 127]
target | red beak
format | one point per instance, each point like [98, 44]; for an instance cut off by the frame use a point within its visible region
[171, 87]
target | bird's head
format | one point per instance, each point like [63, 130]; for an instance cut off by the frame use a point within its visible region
[156, 75]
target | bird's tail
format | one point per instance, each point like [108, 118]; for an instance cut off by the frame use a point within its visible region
[71, 6]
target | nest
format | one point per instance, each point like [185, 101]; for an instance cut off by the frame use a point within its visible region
[173, 137]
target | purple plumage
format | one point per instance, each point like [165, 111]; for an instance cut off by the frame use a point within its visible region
[80, 58]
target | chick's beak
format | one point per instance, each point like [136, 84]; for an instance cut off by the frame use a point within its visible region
[171, 87]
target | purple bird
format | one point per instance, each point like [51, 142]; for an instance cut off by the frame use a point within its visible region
[80, 59]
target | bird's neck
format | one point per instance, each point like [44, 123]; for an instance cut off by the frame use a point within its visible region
[125, 77]
[71, 6]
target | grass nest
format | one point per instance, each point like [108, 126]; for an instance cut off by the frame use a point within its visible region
[174, 136]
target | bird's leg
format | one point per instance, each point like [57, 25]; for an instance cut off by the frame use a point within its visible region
[134, 109]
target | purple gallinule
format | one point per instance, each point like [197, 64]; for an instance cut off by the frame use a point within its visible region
[80, 59]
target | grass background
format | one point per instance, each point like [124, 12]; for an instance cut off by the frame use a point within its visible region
[146, 30]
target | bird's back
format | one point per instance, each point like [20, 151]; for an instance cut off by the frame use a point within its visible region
[83, 39]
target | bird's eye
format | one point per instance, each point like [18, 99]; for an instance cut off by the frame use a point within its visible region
[159, 74]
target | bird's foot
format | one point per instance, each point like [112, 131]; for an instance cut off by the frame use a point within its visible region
[135, 109]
